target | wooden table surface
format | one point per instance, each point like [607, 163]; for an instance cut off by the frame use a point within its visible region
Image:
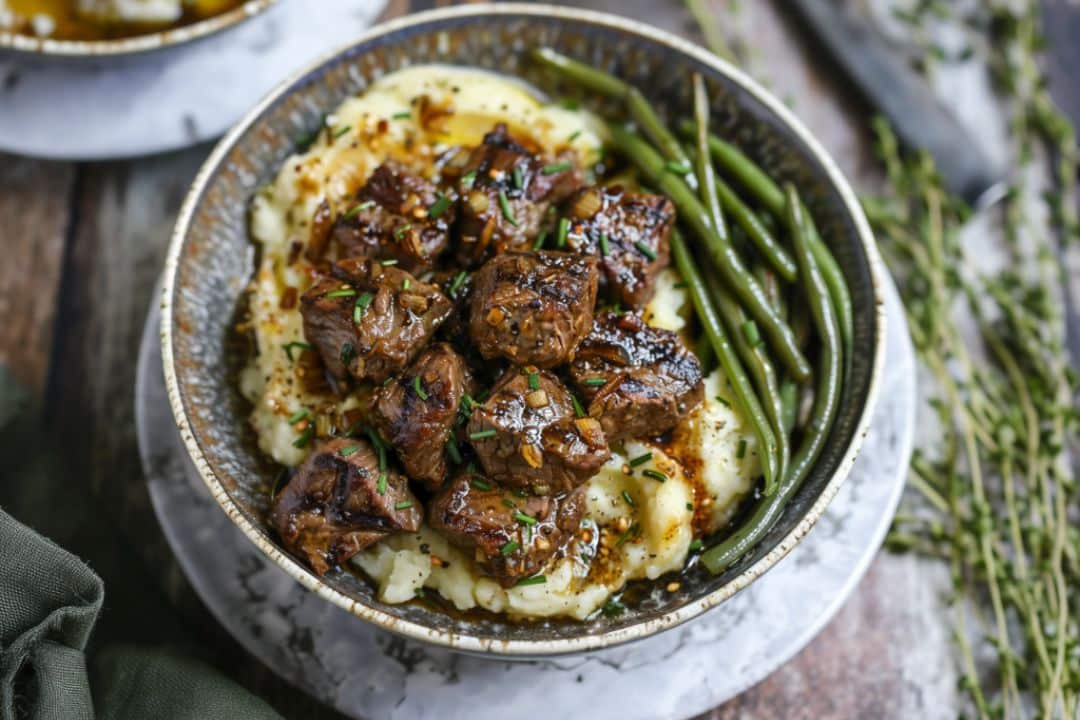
[83, 246]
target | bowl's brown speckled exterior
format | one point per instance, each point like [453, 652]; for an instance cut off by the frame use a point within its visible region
[75, 49]
[210, 260]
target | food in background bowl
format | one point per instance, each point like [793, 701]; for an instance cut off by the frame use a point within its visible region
[476, 360]
[104, 19]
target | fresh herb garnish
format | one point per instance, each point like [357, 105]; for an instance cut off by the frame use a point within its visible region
[645, 250]
[555, 168]
[342, 292]
[361, 305]
[509, 548]
[403, 505]
[573, 136]
[612, 608]
[595, 382]
[452, 448]
[468, 179]
[534, 381]
[517, 177]
[402, 115]
[534, 580]
[654, 474]
[457, 282]
[540, 240]
[305, 437]
[349, 451]
[507, 211]
[740, 451]
[605, 249]
[628, 498]
[348, 352]
[298, 416]
[481, 485]
[578, 409]
[437, 208]
[401, 230]
[418, 389]
[362, 206]
[696, 544]
[341, 131]
[380, 486]
[561, 231]
[481, 434]
[523, 518]
[289, 346]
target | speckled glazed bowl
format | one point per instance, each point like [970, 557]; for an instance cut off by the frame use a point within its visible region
[75, 49]
[210, 260]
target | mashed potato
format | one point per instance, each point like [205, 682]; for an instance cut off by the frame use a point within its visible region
[638, 525]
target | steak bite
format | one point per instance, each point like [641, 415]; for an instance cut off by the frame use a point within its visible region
[512, 537]
[505, 192]
[628, 232]
[638, 380]
[335, 504]
[532, 308]
[416, 413]
[528, 435]
[396, 215]
[369, 320]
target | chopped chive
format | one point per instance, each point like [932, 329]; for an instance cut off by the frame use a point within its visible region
[288, 348]
[403, 505]
[458, 281]
[628, 498]
[645, 250]
[519, 179]
[634, 531]
[403, 115]
[690, 507]
[508, 548]
[399, 232]
[343, 292]
[362, 206]
[452, 448]
[680, 285]
[405, 284]
[740, 451]
[507, 212]
[468, 179]
[509, 503]
[419, 390]
[640, 459]
[540, 240]
[534, 580]
[361, 305]
[561, 231]
[380, 446]
[573, 136]
[305, 437]
[654, 474]
[613, 608]
[605, 249]
[534, 381]
[441, 205]
[481, 434]
[750, 332]
[468, 403]
[380, 487]
[555, 168]
[677, 167]
[722, 401]
[348, 451]
[338, 133]
[595, 382]
[480, 484]
[578, 410]
[696, 544]
[388, 263]
[523, 518]
[298, 416]
[348, 352]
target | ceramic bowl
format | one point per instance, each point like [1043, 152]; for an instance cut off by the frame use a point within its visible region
[75, 49]
[210, 260]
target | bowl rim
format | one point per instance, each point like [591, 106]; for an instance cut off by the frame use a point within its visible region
[136, 44]
[549, 647]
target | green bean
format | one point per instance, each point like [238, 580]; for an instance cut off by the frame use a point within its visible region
[703, 167]
[763, 240]
[728, 262]
[753, 179]
[773, 291]
[760, 367]
[789, 397]
[745, 398]
[606, 84]
[826, 400]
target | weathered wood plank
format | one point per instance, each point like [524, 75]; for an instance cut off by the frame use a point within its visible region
[35, 199]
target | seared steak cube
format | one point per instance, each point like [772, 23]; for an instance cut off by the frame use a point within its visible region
[512, 537]
[639, 381]
[369, 320]
[532, 308]
[628, 232]
[396, 215]
[528, 434]
[416, 412]
[335, 504]
[505, 192]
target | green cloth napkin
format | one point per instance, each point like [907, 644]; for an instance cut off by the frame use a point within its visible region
[49, 602]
